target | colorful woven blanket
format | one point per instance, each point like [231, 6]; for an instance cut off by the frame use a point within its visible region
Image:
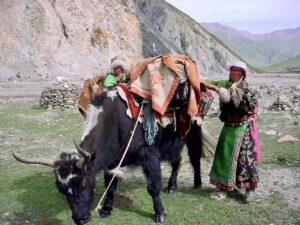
[157, 78]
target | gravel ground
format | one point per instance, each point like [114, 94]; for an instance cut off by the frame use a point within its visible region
[284, 180]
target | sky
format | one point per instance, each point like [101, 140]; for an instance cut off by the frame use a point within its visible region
[255, 16]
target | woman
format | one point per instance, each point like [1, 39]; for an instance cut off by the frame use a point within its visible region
[238, 151]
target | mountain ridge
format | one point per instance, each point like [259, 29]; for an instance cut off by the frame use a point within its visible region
[259, 50]
[291, 65]
[232, 29]
[161, 19]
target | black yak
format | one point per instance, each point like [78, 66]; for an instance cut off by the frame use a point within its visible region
[101, 150]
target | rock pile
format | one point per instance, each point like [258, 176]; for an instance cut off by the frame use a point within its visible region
[61, 93]
[296, 97]
[278, 98]
[281, 103]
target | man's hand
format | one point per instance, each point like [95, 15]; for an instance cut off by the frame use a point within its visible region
[213, 87]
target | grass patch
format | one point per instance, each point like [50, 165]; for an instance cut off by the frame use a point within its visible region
[274, 153]
[28, 193]
[53, 123]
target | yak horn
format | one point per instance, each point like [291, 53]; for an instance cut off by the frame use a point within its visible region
[46, 162]
[86, 156]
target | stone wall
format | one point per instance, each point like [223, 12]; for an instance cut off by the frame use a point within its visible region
[60, 94]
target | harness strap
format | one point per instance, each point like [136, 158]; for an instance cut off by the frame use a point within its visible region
[134, 109]
[149, 124]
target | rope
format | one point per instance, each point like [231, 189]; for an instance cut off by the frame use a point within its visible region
[118, 167]
[149, 124]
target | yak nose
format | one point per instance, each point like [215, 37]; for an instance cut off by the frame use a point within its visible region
[82, 219]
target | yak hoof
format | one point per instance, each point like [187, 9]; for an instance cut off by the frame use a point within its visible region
[198, 185]
[170, 191]
[160, 218]
[104, 213]
[171, 188]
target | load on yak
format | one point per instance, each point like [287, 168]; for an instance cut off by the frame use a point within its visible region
[174, 103]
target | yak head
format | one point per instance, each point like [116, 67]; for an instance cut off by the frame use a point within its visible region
[72, 180]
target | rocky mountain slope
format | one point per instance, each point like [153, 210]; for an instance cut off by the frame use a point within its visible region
[42, 39]
[48, 38]
[167, 29]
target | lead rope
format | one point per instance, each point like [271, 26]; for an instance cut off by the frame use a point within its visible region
[118, 167]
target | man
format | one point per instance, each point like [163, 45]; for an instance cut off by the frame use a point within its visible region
[117, 73]
[95, 86]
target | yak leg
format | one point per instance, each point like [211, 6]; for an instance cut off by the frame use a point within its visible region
[172, 184]
[151, 167]
[110, 196]
[194, 144]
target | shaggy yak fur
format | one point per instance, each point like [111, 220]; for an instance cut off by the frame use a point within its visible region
[76, 180]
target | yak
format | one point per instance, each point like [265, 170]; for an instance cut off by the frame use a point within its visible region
[102, 147]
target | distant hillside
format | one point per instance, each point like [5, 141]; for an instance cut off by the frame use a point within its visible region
[291, 65]
[259, 50]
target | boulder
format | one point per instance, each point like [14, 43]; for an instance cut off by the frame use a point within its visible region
[287, 138]
[270, 132]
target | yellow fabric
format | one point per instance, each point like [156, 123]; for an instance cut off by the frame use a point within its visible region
[91, 88]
